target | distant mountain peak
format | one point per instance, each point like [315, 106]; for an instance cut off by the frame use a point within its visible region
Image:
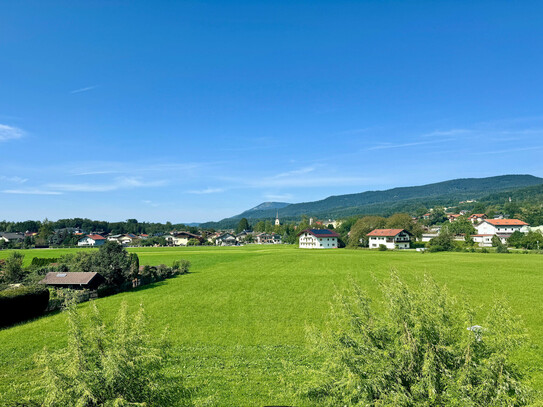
[269, 205]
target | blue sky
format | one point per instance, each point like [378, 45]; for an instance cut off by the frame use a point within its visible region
[194, 111]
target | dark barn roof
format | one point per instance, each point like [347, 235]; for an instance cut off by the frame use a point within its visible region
[320, 232]
[70, 278]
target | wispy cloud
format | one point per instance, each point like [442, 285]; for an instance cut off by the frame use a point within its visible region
[150, 203]
[402, 145]
[31, 191]
[507, 151]
[301, 171]
[10, 132]
[118, 183]
[278, 197]
[206, 191]
[15, 179]
[447, 133]
[86, 89]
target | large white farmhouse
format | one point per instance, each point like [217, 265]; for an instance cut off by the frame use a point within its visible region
[503, 228]
[391, 238]
[318, 239]
[497, 226]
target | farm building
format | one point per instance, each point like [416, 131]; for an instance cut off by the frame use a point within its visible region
[75, 280]
[391, 238]
[318, 239]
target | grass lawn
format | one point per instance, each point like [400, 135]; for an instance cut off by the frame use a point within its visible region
[242, 311]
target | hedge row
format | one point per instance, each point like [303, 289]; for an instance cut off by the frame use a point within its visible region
[19, 304]
[43, 261]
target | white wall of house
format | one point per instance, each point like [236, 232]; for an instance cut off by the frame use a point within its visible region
[486, 228]
[308, 241]
[390, 243]
[400, 241]
[87, 241]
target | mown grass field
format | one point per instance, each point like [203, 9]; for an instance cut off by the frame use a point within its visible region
[242, 311]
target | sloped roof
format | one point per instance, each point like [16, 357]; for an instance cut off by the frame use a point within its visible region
[69, 278]
[386, 232]
[96, 237]
[320, 232]
[506, 222]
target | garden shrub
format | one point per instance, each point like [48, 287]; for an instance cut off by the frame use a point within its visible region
[418, 347]
[19, 304]
[120, 365]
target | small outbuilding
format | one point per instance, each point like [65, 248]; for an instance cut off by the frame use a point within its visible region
[74, 280]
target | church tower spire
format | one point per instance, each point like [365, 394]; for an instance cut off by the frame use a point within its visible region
[277, 223]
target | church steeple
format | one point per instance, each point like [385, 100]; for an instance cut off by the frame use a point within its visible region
[277, 223]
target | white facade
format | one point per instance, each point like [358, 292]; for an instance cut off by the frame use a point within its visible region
[88, 241]
[400, 240]
[309, 241]
[487, 228]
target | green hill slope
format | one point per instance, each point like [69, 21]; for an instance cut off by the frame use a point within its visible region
[403, 199]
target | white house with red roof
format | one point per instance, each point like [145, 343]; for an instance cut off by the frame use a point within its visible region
[503, 228]
[91, 241]
[318, 239]
[391, 238]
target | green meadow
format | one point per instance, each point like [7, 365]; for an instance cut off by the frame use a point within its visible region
[237, 321]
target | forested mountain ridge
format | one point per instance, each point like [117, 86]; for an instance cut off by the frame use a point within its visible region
[402, 199]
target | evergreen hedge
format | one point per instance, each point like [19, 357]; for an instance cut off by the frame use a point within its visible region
[19, 304]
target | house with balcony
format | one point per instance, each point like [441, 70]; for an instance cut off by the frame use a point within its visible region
[318, 239]
[390, 238]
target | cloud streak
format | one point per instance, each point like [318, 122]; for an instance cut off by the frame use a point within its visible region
[15, 179]
[206, 191]
[10, 133]
[86, 89]
[31, 191]
[118, 183]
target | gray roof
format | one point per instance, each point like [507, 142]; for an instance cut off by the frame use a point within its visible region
[69, 278]
[12, 236]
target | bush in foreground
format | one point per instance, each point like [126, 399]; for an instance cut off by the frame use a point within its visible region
[19, 304]
[419, 348]
[121, 366]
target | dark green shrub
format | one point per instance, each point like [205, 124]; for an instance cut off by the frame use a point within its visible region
[181, 266]
[43, 261]
[19, 304]
[382, 248]
[106, 290]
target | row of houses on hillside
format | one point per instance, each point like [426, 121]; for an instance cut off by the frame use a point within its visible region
[231, 239]
[401, 239]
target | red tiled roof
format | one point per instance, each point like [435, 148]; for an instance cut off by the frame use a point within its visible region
[506, 222]
[96, 237]
[385, 232]
[477, 215]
